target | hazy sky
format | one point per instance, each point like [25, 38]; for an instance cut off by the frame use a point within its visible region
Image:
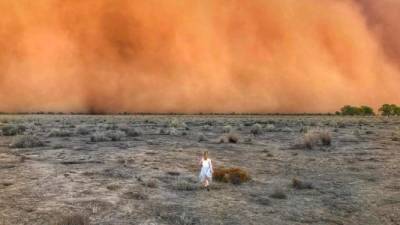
[198, 55]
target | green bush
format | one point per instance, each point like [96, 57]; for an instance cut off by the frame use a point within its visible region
[389, 110]
[349, 110]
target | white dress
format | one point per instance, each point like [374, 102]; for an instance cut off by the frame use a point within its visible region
[206, 170]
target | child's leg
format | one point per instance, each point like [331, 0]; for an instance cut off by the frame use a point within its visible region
[206, 182]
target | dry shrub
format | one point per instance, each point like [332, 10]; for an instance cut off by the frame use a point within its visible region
[82, 130]
[135, 195]
[74, 219]
[201, 138]
[317, 138]
[395, 136]
[59, 133]
[27, 141]
[298, 184]
[256, 129]
[231, 175]
[133, 132]
[229, 138]
[151, 184]
[110, 135]
[184, 185]
[227, 129]
[11, 130]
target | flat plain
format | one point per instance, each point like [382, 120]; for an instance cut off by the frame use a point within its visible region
[142, 169]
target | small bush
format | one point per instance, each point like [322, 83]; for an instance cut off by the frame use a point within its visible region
[133, 132]
[317, 138]
[115, 135]
[232, 137]
[59, 133]
[99, 137]
[231, 175]
[151, 184]
[227, 129]
[201, 138]
[256, 129]
[82, 130]
[11, 130]
[298, 184]
[27, 141]
[270, 127]
[74, 219]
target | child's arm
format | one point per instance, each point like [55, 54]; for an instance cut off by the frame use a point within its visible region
[211, 167]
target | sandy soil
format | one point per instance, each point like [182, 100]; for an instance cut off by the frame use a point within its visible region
[150, 175]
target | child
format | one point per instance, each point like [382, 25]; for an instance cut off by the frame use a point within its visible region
[206, 170]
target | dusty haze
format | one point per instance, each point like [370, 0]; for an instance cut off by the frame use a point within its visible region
[198, 56]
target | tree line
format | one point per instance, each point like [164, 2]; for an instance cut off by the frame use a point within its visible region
[384, 110]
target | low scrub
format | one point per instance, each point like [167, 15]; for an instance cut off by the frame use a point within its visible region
[256, 129]
[231, 175]
[301, 185]
[27, 141]
[59, 133]
[229, 138]
[82, 130]
[317, 138]
[184, 185]
[11, 130]
[74, 219]
[111, 135]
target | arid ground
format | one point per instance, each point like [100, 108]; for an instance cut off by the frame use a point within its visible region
[120, 170]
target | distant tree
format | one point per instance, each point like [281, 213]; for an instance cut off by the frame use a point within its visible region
[389, 110]
[366, 111]
[349, 110]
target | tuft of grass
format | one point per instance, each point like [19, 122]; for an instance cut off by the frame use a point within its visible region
[27, 141]
[184, 185]
[256, 129]
[74, 219]
[301, 185]
[151, 184]
[12, 130]
[135, 195]
[234, 175]
[59, 133]
[110, 135]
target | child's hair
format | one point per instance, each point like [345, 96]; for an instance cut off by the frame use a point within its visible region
[205, 155]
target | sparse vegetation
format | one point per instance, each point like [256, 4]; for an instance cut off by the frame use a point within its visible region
[317, 138]
[26, 141]
[231, 175]
[133, 132]
[256, 129]
[11, 130]
[74, 219]
[82, 130]
[298, 184]
[184, 185]
[59, 133]
[110, 135]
